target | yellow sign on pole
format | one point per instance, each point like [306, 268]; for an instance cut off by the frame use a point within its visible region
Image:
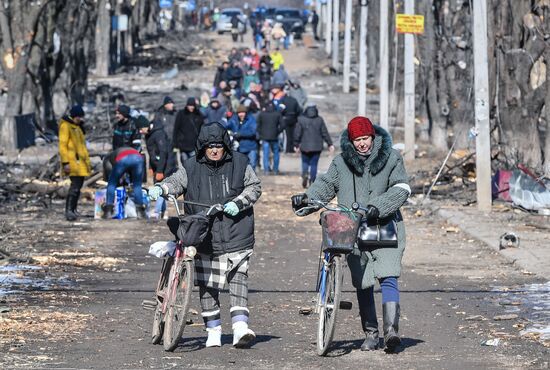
[407, 23]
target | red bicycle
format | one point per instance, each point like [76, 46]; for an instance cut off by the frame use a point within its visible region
[174, 287]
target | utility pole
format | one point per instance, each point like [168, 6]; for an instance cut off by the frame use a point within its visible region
[336, 35]
[384, 65]
[328, 31]
[347, 46]
[481, 85]
[362, 108]
[409, 89]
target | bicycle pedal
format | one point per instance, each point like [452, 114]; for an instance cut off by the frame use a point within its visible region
[149, 305]
[346, 305]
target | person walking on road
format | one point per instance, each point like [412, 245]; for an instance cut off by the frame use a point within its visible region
[186, 130]
[243, 127]
[277, 58]
[158, 146]
[166, 114]
[370, 172]
[215, 112]
[75, 160]
[218, 174]
[290, 110]
[270, 126]
[309, 135]
[314, 24]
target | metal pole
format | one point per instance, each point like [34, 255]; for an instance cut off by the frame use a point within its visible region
[409, 89]
[362, 108]
[347, 46]
[481, 86]
[384, 65]
[336, 35]
[328, 31]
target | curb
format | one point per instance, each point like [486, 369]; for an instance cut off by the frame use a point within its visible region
[519, 257]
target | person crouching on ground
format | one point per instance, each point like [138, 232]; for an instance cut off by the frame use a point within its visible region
[122, 160]
[75, 160]
[370, 172]
[217, 174]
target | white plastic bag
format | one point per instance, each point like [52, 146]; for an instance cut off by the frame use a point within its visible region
[162, 249]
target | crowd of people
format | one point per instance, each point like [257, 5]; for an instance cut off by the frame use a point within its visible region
[252, 96]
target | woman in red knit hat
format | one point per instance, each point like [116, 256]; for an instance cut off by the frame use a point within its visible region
[370, 172]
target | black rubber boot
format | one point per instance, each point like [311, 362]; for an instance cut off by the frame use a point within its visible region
[107, 211]
[369, 322]
[391, 312]
[70, 205]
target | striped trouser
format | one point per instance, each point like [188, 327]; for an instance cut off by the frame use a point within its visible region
[238, 300]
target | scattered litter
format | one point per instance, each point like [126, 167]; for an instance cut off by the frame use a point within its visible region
[509, 240]
[306, 310]
[491, 342]
[527, 192]
[4, 309]
[510, 316]
[474, 318]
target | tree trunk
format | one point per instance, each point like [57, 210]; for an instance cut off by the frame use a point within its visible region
[102, 38]
[18, 25]
[435, 98]
[520, 103]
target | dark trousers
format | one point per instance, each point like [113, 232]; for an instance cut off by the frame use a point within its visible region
[74, 191]
[309, 164]
[289, 130]
[314, 25]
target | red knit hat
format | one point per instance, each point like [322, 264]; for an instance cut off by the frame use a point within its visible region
[360, 126]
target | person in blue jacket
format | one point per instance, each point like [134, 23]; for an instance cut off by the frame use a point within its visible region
[243, 128]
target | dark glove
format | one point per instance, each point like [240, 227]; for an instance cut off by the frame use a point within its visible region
[372, 213]
[299, 201]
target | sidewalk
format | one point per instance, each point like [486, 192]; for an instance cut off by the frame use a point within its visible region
[533, 253]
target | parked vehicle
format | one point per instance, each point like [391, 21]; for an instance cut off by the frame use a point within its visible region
[269, 14]
[224, 23]
[291, 19]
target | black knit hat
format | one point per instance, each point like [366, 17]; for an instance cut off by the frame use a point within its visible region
[167, 100]
[124, 110]
[142, 122]
[191, 101]
[77, 111]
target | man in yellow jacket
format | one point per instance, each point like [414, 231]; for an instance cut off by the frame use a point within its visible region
[75, 160]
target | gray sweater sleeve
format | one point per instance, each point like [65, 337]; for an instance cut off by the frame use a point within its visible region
[175, 184]
[252, 190]
[398, 190]
[325, 186]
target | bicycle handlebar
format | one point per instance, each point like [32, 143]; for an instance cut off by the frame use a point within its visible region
[212, 208]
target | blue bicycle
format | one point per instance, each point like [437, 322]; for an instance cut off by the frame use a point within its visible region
[339, 227]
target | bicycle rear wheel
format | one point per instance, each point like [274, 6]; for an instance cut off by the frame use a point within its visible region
[158, 320]
[179, 297]
[329, 302]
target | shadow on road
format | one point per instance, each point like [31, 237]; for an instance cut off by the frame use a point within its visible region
[344, 347]
[194, 344]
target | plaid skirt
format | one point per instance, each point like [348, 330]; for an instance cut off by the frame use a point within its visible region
[215, 271]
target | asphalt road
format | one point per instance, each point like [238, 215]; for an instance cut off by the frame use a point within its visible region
[443, 293]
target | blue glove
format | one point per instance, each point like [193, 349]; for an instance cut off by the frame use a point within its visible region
[231, 209]
[155, 192]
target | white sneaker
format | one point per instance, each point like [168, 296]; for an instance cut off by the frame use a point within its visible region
[242, 335]
[214, 337]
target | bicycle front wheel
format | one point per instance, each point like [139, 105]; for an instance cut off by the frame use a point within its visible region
[179, 299]
[329, 302]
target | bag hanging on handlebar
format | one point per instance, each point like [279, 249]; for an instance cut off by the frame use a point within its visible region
[381, 234]
[193, 229]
